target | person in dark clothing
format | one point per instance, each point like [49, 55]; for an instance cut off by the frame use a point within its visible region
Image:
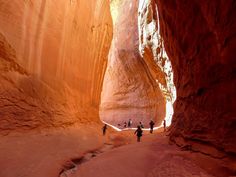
[139, 133]
[141, 125]
[125, 124]
[104, 128]
[129, 123]
[164, 125]
[151, 126]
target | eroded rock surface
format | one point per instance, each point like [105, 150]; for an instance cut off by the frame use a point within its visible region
[152, 49]
[129, 90]
[200, 40]
[52, 60]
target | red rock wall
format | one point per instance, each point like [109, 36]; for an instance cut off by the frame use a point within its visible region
[200, 40]
[129, 89]
[53, 57]
[152, 49]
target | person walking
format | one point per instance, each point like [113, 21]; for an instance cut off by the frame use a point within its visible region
[104, 128]
[125, 124]
[129, 123]
[139, 133]
[141, 125]
[164, 125]
[151, 126]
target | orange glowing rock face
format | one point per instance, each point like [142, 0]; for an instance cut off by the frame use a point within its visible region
[52, 60]
[53, 56]
[130, 87]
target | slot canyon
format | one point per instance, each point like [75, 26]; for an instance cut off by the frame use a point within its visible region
[67, 67]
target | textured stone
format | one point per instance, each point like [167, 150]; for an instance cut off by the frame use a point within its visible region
[152, 49]
[200, 40]
[129, 89]
[52, 60]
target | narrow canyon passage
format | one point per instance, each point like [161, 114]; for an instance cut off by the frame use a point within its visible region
[67, 67]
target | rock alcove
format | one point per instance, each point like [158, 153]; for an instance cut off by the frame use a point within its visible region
[138, 82]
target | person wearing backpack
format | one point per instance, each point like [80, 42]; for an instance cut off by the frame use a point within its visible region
[139, 133]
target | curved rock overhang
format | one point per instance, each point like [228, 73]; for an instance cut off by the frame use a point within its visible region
[138, 83]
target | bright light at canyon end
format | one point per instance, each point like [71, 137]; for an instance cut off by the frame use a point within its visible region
[150, 38]
[138, 83]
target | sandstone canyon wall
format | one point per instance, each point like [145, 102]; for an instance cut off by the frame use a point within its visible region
[52, 60]
[129, 91]
[201, 43]
[53, 57]
[152, 49]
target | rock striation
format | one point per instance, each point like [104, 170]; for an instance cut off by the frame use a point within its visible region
[129, 89]
[53, 57]
[200, 40]
[152, 49]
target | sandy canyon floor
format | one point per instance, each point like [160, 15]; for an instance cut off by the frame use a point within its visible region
[82, 152]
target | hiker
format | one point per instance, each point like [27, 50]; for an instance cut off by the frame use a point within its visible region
[151, 126]
[129, 123]
[141, 125]
[164, 125]
[104, 128]
[125, 124]
[139, 133]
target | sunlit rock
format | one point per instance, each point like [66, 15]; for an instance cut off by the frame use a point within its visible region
[129, 89]
[52, 60]
[152, 49]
